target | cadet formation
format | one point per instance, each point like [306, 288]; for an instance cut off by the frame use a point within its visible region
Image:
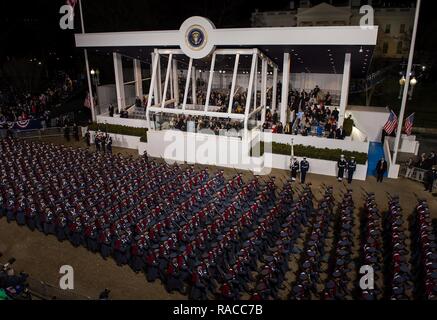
[215, 238]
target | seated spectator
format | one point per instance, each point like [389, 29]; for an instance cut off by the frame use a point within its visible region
[339, 134]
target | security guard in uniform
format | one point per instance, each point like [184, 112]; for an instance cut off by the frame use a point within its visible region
[351, 167]
[341, 165]
[294, 168]
[304, 167]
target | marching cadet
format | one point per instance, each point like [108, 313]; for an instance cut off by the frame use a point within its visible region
[20, 215]
[31, 216]
[91, 237]
[152, 266]
[341, 165]
[105, 243]
[304, 167]
[294, 168]
[351, 167]
[48, 224]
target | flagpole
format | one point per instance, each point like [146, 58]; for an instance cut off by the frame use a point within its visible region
[407, 83]
[87, 67]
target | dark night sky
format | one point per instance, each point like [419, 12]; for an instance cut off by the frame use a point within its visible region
[31, 28]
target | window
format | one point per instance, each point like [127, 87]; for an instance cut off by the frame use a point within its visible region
[387, 28]
[399, 48]
[385, 48]
[402, 30]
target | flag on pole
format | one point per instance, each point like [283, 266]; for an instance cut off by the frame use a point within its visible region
[71, 3]
[391, 123]
[409, 124]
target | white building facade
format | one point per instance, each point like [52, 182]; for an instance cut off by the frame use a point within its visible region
[395, 24]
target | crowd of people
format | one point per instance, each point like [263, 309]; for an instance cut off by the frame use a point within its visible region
[314, 116]
[200, 234]
[427, 165]
[199, 123]
[16, 105]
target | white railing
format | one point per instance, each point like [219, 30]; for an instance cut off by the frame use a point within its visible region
[320, 142]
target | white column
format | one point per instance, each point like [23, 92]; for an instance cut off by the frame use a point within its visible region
[194, 86]
[90, 87]
[155, 96]
[171, 83]
[187, 83]
[158, 79]
[249, 91]
[274, 88]
[119, 82]
[407, 83]
[211, 74]
[175, 82]
[263, 89]
[234, 81]
[344, 88]
[154, 68]
[255, 84]
[138, 79]
[285, 84]
[167, 79]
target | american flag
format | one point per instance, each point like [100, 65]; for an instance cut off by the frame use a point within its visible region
[392, 123]
[409, 124]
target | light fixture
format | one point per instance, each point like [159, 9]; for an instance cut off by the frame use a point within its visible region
[402, 81]
[361, 49]
[423, 68]
[413, 81]
[93, 72]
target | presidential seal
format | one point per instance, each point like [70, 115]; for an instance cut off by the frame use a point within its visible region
[196, 37]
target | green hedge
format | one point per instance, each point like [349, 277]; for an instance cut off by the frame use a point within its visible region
[315, 153]
[118, 129]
